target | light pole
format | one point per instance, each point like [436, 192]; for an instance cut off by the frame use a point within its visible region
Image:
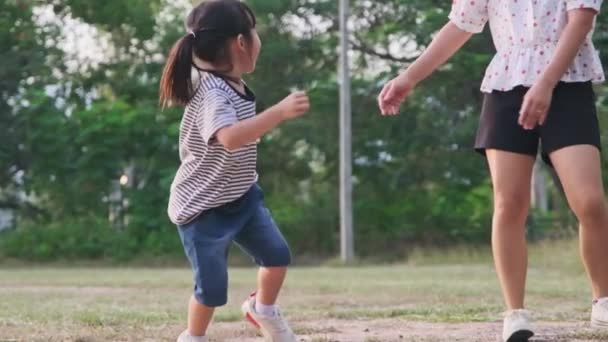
[347, 250]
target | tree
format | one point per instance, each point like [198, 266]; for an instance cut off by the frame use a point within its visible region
[74, 129]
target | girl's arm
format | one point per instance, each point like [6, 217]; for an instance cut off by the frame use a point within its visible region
[250, 130]
[447, 42]
[538, 99]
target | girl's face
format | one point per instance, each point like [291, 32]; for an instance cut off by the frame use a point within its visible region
[256, 47]
[247, 52]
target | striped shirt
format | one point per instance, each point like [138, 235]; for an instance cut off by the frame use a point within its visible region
[210, 175]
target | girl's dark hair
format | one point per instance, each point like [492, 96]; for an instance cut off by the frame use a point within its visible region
[209, 27]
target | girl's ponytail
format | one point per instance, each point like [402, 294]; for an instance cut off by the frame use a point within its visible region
[176, 82]
[210, 25]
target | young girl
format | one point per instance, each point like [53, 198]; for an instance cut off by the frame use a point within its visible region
[215, 199]
[538, 89]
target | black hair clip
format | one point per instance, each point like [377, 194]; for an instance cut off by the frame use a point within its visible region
[204, 29]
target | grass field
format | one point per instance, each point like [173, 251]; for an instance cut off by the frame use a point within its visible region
[450, 296]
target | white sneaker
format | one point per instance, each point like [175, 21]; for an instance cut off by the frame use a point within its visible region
[186, 337]
[274, 329]
[517, 326]
[599, 313]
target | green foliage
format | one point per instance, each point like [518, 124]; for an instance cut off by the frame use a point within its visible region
[134, 17]
[69, 135]
[65, 241]
[83, 240]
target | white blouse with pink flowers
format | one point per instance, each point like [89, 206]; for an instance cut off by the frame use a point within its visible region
[525, 34]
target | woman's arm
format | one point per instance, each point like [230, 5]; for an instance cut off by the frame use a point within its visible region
[447, 42]
[538, 99]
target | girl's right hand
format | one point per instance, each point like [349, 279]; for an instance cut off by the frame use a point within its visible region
[294, 105]
[394, 93]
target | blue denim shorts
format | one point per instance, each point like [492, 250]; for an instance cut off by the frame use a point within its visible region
[207, 240]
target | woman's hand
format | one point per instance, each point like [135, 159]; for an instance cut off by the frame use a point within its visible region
[538, 99]
[445, 44]
[394, 93]
[536, 105]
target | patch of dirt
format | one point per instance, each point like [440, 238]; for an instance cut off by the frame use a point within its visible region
[396, 330]
[385, 330]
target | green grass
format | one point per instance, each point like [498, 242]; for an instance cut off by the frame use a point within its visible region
[108, 304]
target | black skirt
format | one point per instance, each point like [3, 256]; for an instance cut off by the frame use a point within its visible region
[571, 120]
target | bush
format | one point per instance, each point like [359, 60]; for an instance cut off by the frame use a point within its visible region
[83, 240]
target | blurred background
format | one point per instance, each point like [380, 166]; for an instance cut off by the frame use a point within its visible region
[87, 156]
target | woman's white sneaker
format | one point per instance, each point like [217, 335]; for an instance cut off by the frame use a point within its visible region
[599, 313]
[517, 326]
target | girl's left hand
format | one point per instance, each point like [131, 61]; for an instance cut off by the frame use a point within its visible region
[536, 105]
